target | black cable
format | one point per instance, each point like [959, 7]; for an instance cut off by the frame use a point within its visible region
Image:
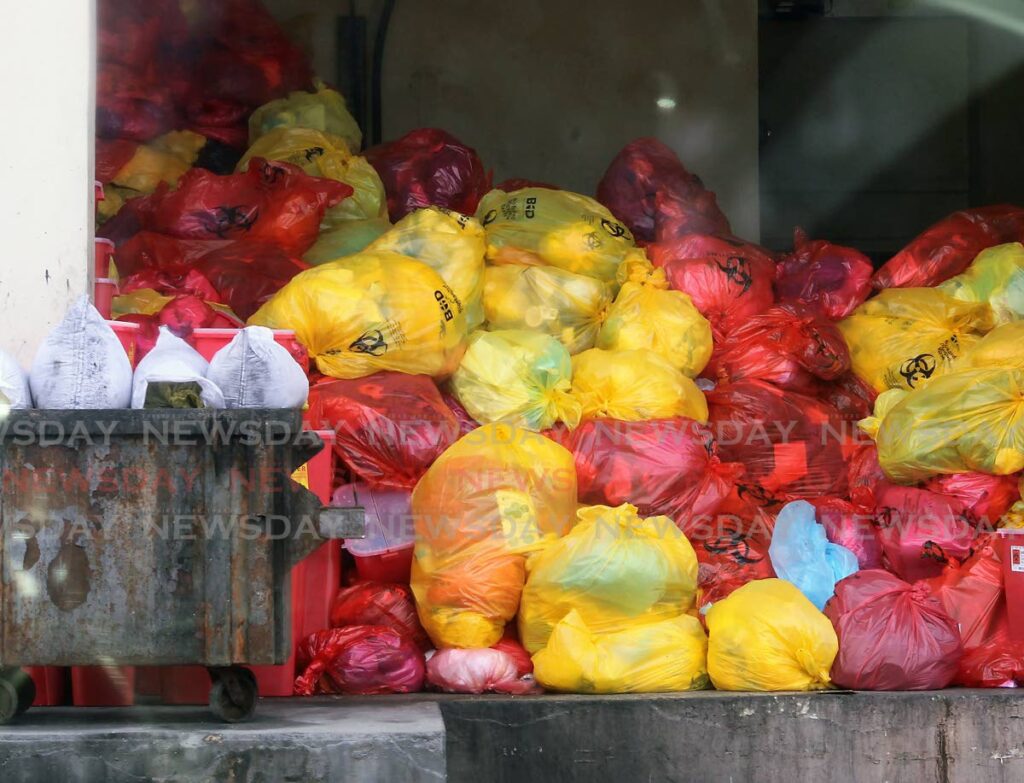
[378, 67]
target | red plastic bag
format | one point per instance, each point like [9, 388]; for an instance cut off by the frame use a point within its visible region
[662, 466]
[892, 636]
[191, 283]
[390, 426]
[271, 202]
[727, 279]
[509, 643]
[785, 345]
[792, 446]
[429, 167]
[972, 594]
[850, 526]
[865, 475]
[849, 395]
[731, 551]
[359, 659]
[985, 498]
[999, 663]
[378, 603]
[246, 274]
[111, 156]
[486, 670]
[947, 248]
[148, 250]
[920, 531]
[647, 187]
[138, 34]
[131, 106]
[829, 279]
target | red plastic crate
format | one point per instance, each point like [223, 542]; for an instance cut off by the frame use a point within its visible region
[104, 291]
[127, 332]
[50, 685]
[104, 252]
[209, 341]
[103, 686]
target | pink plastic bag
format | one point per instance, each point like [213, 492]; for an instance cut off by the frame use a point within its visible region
[849, 526]
[478, 671]
[985, 498]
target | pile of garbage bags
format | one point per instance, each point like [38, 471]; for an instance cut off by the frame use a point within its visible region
[638, 453]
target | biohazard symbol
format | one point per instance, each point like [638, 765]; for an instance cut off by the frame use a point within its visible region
[613, 228]
[313, 153]
[735, 544]
[755, 492]
[220, 220]
[917, 369]
[737, 269]
[933, 551]
[371, 342]
[490, 217]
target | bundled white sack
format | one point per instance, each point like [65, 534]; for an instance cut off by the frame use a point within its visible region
[174, 361]
[14, 391]
[253, 371]
[81, 365]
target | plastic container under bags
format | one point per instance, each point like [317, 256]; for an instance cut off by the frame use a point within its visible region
[254, 371]
[385, 554]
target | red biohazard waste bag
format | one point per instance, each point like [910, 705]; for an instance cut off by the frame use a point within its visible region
[947, 248]
[271, 202]
[379, 603]
[662, 466]
[828, 279]
[920, 531]
[972, 594]
[785, 345]
[728, 280]
[390, 426]
[849, 395]
[509, 644]
[850, 526]
[791, 445]
[138, 34]
[482, 670]
[191, 283]
[428, 167]
[111, 157]
[892, 636]
[985, 498]
[865, 475]
[131, 106]
[149, 250]
[647, 187]
[246, 274]
[998, 663]
[359, 659]
[731, 551]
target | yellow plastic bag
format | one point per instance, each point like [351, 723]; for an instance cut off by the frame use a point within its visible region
[996, 277]
[452, 245]
[521, 378]
[347, 238]
[647, 315]
[884, 403]
[634, 385]
[554, 227]
[1002, 347]
[368, 312]
[495, 495]
[968, 420]
[662, 657]
[164, 159]
[766, 636]
[323, 110]
[320, 154]
[567, 306]
[617, 570]
[905, 337]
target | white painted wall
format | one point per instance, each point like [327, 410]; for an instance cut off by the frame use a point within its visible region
[46, 162]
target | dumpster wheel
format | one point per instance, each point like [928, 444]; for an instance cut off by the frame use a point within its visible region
[234, 693]
[17, 692]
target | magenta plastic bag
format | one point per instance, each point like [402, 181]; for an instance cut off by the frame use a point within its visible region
[359, 659]
[429, 167]
[850, 526]
[648, 188]
[478, 671]
[829, 279]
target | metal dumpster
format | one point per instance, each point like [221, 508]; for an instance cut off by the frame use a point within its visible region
[154, 537]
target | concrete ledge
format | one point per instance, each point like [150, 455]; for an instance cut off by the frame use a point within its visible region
[305, 741]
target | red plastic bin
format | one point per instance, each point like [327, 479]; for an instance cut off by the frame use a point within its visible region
[1011, 552]
[104, 291]
[127, 332]
[209, 341]
[385, 555]
[50, 685]
[104, 252]
[103, 686]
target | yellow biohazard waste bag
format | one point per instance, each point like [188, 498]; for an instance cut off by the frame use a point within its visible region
[452, 245]
[967, 420]
[347, 238]
[518, 377]
[614, 568]
[767, 636]
[567, 306]
[996, 277]
[634, 385]
[164, 159]
[645, 314]
[557, 228]
[322, 110]
[494, 496]
[670, 655]
[905, 337]
[1002, 347]
[320, 154]
[884, 403]
[369, 312]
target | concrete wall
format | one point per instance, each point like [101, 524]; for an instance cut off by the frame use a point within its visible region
[46, 166]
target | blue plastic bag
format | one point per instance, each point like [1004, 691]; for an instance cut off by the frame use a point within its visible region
[802, 554]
